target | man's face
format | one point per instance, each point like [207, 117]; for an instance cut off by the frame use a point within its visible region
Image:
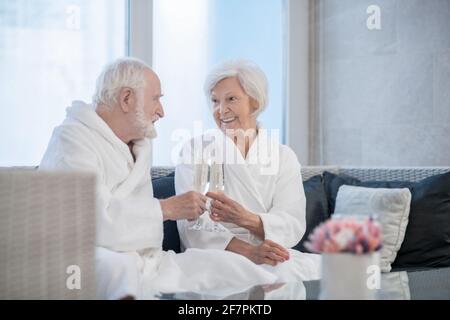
[148, 106]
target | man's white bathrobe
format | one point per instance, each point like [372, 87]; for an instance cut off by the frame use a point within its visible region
[130, 260]
[268, 183]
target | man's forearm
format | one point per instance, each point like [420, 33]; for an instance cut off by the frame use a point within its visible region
[166, 210]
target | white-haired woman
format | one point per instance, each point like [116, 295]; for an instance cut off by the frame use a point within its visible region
[262, 210]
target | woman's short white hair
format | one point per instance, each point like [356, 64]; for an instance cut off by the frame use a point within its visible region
[124, 72]
[250, 76]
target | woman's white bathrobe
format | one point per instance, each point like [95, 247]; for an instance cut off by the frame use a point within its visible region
[268, 183]
[129, 259]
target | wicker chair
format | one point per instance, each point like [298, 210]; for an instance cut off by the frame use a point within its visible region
[47, 235]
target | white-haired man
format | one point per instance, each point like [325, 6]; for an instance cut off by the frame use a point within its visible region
[110, 138]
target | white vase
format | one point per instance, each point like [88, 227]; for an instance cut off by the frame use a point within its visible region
[350, 276]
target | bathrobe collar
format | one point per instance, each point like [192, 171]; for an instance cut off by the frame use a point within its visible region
[86, 114]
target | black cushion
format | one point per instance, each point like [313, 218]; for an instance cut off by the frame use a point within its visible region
[316, 207]
[164, 188]
[427, 237]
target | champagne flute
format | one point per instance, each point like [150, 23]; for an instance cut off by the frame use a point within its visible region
[201, 185]
[217, 184]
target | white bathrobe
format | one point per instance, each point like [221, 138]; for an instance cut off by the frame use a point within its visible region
[129, 259]
[268, 183]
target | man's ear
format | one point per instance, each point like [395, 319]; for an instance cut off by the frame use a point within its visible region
[125, 99]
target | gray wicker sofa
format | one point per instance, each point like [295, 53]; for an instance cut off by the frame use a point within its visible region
[411, 174]
[362, 173]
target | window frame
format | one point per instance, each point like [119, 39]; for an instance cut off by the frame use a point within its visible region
[298, 77]
[297, 59]
[140, 30]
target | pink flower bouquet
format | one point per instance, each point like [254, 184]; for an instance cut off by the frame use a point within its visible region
[346, 235]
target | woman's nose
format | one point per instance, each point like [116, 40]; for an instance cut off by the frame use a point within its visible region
[223, 108]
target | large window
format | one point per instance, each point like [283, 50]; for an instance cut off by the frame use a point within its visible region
[190, 37]
[50, 53]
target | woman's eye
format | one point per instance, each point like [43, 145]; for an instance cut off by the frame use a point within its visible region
[232, 99]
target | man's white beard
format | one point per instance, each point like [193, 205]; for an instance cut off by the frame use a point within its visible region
[143, 124]
[150, 131]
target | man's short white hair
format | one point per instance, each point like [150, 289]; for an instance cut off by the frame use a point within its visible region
[250, 76]
[122, 73]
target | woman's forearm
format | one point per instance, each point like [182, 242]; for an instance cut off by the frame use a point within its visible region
[253, 223]
[267, 252]
[239, 246]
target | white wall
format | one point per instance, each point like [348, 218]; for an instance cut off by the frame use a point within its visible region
[384, 95]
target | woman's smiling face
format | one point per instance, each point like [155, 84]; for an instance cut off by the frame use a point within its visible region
[233, 109]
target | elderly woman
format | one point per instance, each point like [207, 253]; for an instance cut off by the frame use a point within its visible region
[262, 210]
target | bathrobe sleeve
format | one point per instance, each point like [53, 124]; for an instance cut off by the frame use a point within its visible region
[285, 222]
[127, 222]
[184, 180]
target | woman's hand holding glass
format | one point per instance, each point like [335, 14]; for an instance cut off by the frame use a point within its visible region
[225, 209]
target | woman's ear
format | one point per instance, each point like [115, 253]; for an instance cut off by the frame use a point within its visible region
[254, 106]
[125, 98]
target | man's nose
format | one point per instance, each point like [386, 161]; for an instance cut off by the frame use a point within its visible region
[161, 111]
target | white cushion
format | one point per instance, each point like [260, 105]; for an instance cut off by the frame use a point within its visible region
[391, 208]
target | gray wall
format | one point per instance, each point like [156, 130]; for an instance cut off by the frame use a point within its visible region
[382, 97]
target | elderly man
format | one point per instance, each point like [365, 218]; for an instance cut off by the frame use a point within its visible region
[111, 138]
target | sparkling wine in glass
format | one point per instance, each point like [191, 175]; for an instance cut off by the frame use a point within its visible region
[201, 185]
[217, 184]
